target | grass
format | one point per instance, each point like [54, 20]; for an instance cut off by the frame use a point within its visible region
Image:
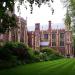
[56, 67]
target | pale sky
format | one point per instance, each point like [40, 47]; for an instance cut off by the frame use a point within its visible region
[43, 14]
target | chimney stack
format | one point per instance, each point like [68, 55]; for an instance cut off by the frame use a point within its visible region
[49, 24]
[37, 26]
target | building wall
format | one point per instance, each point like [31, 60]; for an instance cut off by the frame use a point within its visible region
[52, 38]
[18, 34]
[58, 39]
[68, 43]
[37, 36]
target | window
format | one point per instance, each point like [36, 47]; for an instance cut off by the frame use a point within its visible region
[61, 39]
[53, 43]
[45, 36]
[53, 36]
[61, 35]
[61, 43]
[53, 39]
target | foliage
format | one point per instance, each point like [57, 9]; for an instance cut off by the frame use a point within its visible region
[51, 54]
[70, 13]
[36, 2]
[6, 55]
[68, 20]
[72, 7]
[74, 45]
[39, 3]
[6, 21]
[45, 55]
[16, 52]
[7, 18]
[35, 56]
[70, 4]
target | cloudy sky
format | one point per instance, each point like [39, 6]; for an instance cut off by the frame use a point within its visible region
[43, 15]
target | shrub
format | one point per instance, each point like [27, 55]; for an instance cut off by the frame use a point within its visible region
[16, 53]
[35, 56]
[51, 54]
[19, 50]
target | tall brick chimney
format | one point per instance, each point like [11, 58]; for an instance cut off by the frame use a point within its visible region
[49, 33]
[37, 26]
[49, 22]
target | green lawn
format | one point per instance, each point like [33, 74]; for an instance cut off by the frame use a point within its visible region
[57, 67]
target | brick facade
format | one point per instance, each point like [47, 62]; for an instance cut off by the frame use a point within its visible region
[18, 34]
[58, 39]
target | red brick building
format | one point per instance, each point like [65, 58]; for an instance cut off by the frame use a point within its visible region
[18, 34]
[58, 39]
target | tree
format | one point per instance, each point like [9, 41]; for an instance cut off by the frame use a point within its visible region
[68, 20]
[74, 44]
[7, 17]
[70, 5]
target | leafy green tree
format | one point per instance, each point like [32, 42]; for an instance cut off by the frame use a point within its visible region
[70, 5]
[68, 20]
[70, 17]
